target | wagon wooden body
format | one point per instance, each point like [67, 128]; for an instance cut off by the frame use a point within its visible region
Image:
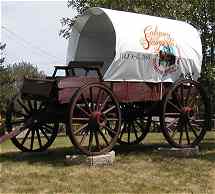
[113, 87]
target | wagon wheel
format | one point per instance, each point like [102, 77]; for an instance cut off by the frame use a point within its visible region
[134, 131]
[134, 127]
[28, 115]
[185, 117]
[94, 115]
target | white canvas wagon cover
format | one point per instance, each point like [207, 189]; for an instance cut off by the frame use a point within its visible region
[136, 47]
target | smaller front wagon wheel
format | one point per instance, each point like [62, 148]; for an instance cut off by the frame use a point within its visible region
[37, 133]
[94, 119]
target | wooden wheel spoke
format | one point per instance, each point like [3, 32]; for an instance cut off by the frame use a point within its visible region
[35, 105]
[42, 106]
[181, 136]
[135, 131]
[103, 136]
[173, 132]
[86, 103]
[20, 113]
[139, 124]
[192, 102]
[32, 138]
[111, 119]
[83, 138]
[25, 137]
[110, 130]
[191, 127]
[175, 129]
[39, 138]
[23, 106]
[77, 132]
[47, 128]
[109, 109]
[98, 99]
[172, 115]
[80, 119]
[176, 95]
[17, 122]
[97, 140]
[174, 106]
[187, 133]
[173, 122]
[90, 141]
[123, 130]
[129, 132]
[91, 99]
[84, 111]
[44, 133]
[104, 103]
[182, 95]
[187, 96]
[30, 105]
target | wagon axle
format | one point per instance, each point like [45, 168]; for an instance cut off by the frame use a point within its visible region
[96, 120]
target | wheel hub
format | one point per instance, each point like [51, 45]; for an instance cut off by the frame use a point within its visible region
[97, 119]
[188, 111]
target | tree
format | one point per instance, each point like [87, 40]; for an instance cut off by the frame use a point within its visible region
[11, 80]
[2, 58]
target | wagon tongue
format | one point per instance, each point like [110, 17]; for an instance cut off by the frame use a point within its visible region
[14, 133]
[10, 135]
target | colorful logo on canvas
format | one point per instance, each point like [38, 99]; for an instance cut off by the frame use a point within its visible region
[162, 44]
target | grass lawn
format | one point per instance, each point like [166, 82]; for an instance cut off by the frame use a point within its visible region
[137, 169]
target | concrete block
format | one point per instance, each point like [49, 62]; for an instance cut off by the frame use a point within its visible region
[180, 152]
[100, 160]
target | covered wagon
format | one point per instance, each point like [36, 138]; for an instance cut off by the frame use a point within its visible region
[123, 69]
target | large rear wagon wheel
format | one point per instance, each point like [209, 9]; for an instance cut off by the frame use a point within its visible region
[94, 119]
[185, 117]
[27, 115]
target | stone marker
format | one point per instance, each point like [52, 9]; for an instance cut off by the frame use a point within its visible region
[100, 160]
[180, 152]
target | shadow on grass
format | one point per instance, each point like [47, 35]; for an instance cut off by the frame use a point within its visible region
[56, 156]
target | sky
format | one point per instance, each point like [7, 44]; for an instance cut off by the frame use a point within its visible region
[31, 31]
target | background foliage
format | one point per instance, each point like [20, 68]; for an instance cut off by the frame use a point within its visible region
[11, 77]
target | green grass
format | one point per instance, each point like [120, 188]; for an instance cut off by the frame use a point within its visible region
[137, 169]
